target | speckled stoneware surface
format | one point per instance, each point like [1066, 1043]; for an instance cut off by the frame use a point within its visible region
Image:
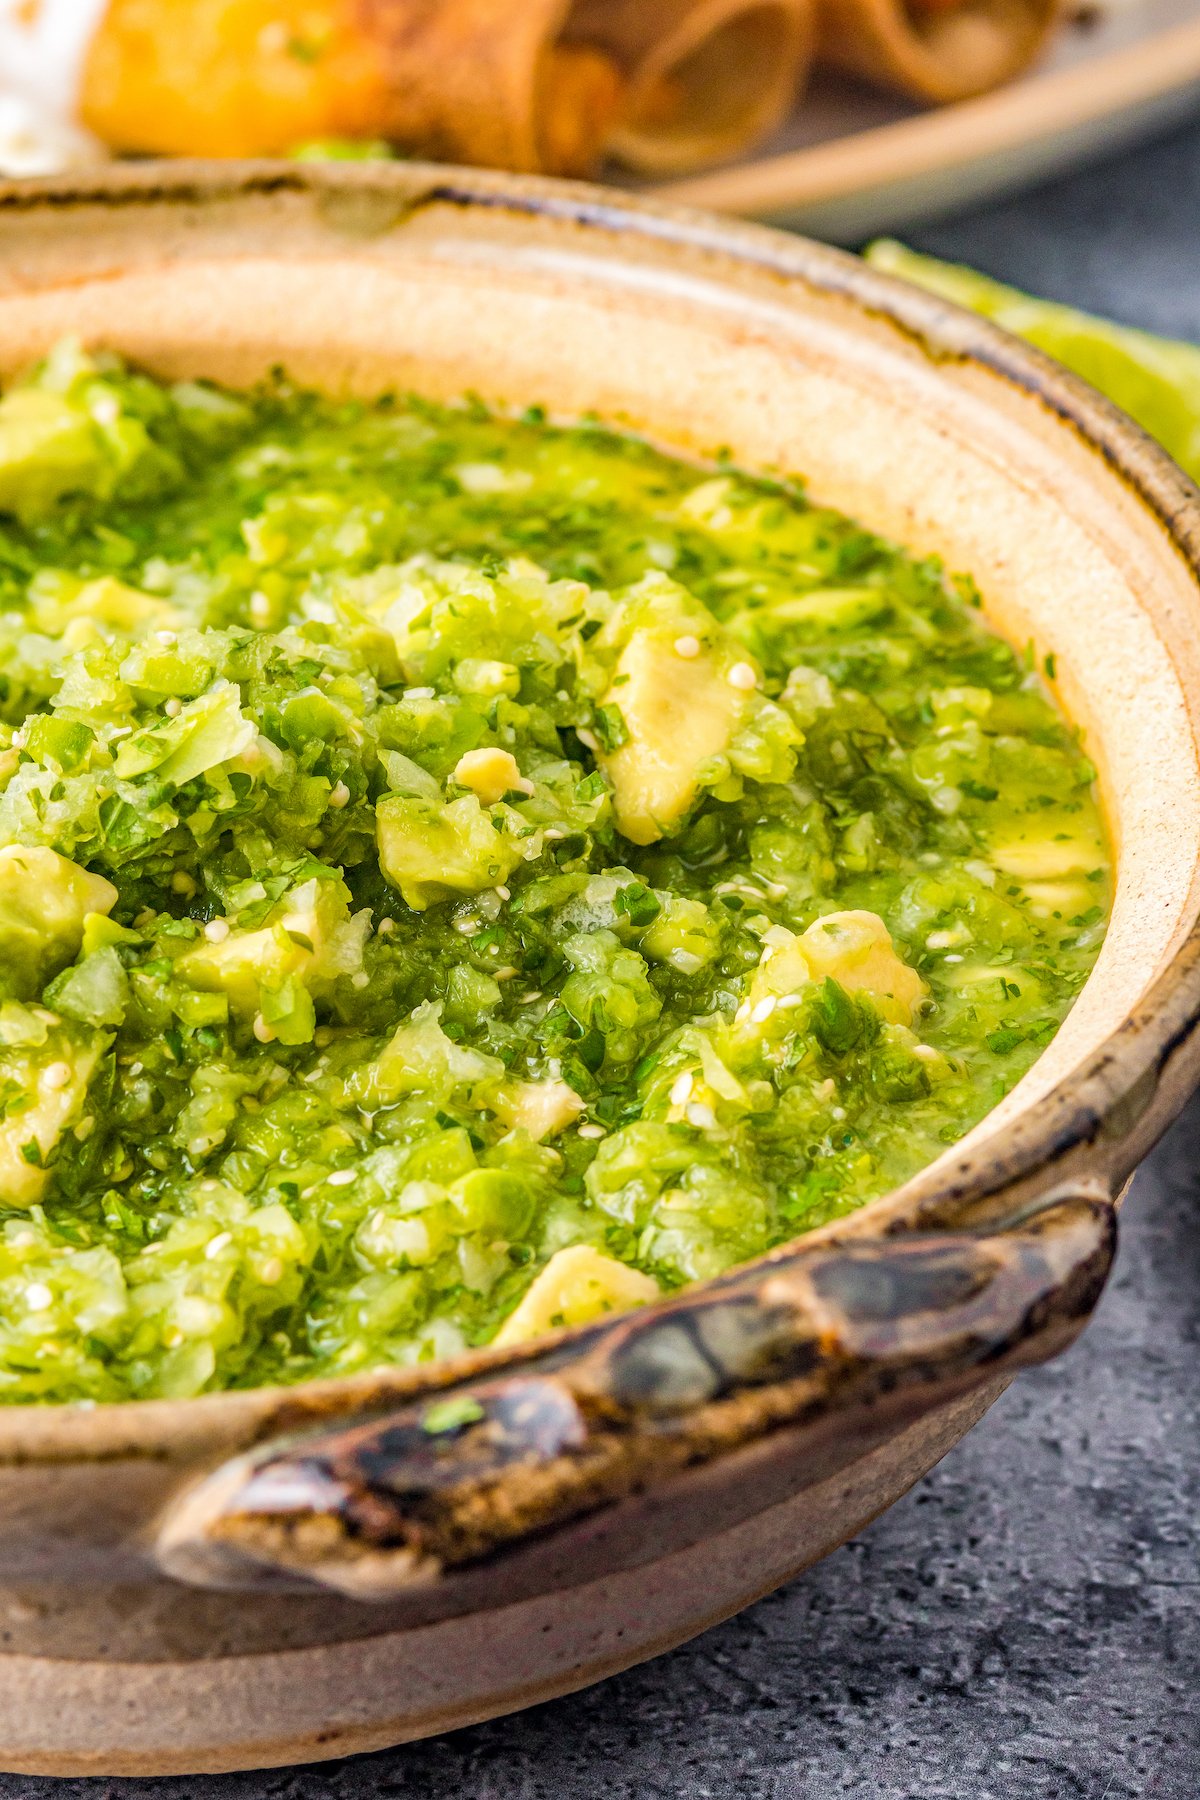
[256, 1578]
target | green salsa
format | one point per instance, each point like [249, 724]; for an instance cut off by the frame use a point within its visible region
[460, 875]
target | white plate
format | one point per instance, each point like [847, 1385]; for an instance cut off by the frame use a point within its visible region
[852, 162]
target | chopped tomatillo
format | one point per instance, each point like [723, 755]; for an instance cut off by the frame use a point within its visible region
[461, 876]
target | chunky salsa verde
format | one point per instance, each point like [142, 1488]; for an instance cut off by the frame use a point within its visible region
[459, 875]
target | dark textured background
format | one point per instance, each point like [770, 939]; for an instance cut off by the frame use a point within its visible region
[1024, 1625]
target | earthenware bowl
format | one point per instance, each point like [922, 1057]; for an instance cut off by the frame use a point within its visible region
[256, 1578]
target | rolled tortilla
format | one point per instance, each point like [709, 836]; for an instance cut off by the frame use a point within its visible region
[706, 78]
[936, 50]
[482, 81]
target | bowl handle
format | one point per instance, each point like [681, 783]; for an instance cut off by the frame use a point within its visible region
[871, 1330]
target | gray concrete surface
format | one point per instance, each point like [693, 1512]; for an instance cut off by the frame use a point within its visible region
[1024, 1625]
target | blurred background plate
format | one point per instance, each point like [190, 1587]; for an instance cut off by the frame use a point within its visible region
[852, 161]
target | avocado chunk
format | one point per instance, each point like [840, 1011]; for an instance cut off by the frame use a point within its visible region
[242, 965]
[246, 965]
[577, 1285]
[679, 710]
[44, 1087]
[48, 448]
[431, 852]
[489, 773]
[855, 948]
[44, 900]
